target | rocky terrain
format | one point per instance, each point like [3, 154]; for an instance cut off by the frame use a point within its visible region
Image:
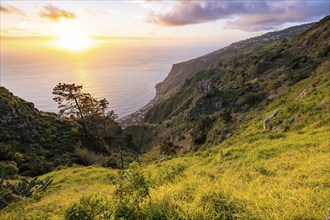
[182, 71]
[198, 109]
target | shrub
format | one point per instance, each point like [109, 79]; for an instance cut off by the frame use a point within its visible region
[87, 157]
[35, 165]
[13, 192]
[131, 193]
[250, 98]
[129, 197]
[6, 151]
[10, 168]
[89, 208]
[168, 148]
[18, 157]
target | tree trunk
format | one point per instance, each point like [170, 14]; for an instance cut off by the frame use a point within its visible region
[121, 157]
[81, 116]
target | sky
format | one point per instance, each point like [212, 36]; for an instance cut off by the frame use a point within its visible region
[209, 21]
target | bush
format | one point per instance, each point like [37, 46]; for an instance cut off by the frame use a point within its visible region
[6, 151]
[34, 165]
[13, 192]
[10, 168]
[133, 184]
[129, 197]
[250, 98]
[18, 157]
[87, 157]
[89, 208]
[168, 148]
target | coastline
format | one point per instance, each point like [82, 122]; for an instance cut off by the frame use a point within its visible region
[138, 116]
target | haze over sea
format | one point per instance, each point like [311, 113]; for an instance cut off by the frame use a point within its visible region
[126, 75]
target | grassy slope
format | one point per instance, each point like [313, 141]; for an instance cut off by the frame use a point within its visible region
[255, 174]
[244, 82]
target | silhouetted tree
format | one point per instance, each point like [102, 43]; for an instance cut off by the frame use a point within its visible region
[73, 102]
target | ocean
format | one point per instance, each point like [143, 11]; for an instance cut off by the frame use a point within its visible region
[126, 75]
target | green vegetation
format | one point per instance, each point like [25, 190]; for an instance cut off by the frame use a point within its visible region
[33, 142]
[211, 105]
[13, 192]
[255, 174]
[219, 161]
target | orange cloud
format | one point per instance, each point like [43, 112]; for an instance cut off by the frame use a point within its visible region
[54, 13]
[11, 10]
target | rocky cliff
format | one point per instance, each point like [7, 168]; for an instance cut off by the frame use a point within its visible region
[182, 71]
[239, 82]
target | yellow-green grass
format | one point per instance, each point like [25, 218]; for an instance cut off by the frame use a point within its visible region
[68, 186]
[291, 182]
[255, 174]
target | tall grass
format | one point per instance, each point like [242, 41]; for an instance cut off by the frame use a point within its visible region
[87, 157]
[256, 174]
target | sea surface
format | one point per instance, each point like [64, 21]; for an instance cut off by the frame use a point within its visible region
[126, 76]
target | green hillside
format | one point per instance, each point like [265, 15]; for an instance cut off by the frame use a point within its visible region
[246, 139]
[33, 142]
[212, 105]
[255, 174]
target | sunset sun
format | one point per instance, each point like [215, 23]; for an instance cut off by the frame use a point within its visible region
[74, 42]
[72, 38]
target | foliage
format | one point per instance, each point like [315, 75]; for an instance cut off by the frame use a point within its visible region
[167, 148]
[280, 173]
[88, 208]
[102, 132]
[34, 140]
[10, 168]
[13, 192]
[127, 201]
[73, 102]
[87, 157]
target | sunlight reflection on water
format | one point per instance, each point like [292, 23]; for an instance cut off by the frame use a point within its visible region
[127, 80]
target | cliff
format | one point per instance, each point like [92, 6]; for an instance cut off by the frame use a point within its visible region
[210, 105]
[185, 70]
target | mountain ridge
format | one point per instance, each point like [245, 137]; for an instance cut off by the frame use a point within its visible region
[187, 69]
[184, 70]
[240, 85]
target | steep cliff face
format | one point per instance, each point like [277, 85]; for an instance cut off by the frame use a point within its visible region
[211, 105]
[185, 70]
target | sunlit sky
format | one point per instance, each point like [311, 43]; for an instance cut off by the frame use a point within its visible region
[187, 20]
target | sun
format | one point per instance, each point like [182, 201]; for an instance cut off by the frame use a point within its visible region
[74, 42]
[72, 38]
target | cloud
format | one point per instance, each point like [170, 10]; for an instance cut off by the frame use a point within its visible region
[11, 10]
[54, 13]
[246, 15]
[96, 12]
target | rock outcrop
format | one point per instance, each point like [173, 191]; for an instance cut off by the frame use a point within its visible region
[205, 87]
[268, 119]
[305, 91]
